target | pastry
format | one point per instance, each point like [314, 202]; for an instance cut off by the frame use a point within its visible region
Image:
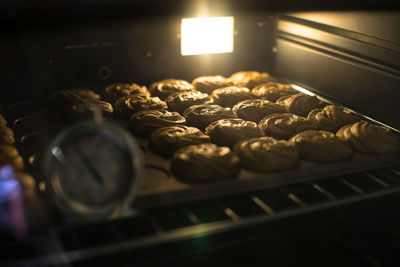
[9, 156]
[33, 123]
[266, 154]
[250, 79]
[229, 96]
[167, 140]
[70, 97]
[301, 104]
[202, 115]
[369, 138]
[256, 109]
[181, 101]
[3, 121]
[331, 118]
[126, 106]
[207, 84]
[272, 91]
[204, 163]
[285, 125]
[166, 87]
[117, 90]
[282, 100]
[143, 123]
[6, 135]
[227, 132]
[88, 110]
[35, 141]
[321, 146]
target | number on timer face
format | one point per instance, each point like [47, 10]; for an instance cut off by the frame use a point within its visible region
[91, 167]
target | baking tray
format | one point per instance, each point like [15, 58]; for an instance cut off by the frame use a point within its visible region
[160, 187]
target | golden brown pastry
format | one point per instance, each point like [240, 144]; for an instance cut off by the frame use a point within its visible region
[272, 91]
[204, 163]
[256, 109]
[3, 121]
[266, 154]
[143, 123]
[70, 97]
[9, 156]
[369, 138]
[301, 104]
[181, 101]
[250, 79]
[227, 132]
[167, 140]
[229, 96]
[126, 106]
[285, 125]
[331, 118]
[207, 84]
[87, 110]
[201, 116]
[282, 100]
[117, 90]
[321, 146]
[167, 87]
[6, 135]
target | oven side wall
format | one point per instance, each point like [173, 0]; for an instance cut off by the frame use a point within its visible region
[352, 58]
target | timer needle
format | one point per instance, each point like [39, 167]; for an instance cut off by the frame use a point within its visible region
[96, 175]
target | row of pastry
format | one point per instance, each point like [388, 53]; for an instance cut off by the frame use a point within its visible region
[126, 99]
[208, 162]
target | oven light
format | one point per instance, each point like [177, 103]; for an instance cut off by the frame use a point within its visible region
[208, 35]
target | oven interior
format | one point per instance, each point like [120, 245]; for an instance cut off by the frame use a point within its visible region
[345, 216]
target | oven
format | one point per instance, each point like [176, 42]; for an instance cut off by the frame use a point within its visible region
[320, 214]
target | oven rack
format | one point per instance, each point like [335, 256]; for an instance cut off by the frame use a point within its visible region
[198, 219]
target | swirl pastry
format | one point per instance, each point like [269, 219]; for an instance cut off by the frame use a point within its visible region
[181, 101]
[272, 91]
[250, 79]
[9, 156]
[207, 84]
[321, 146]
[204, 163]
[3, 121]
[282, 100]
[70, 97]
[229, 96]
[266, 154]
[143, 123]
[331, 118]
[6, 135]
[166, 87]
[227, 132]
[86, 110]
[285, 125]
[256, 109]
[128, 105]
[369, 138]
[117, 90]
[202, 115]
[167, 140]
[301, 104]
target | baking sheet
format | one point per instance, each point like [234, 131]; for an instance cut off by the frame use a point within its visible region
[160, 187]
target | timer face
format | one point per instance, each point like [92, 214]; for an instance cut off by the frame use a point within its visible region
[92, 171]
[91, 167]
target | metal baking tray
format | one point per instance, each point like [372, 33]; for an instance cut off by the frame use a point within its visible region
[160, 187]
